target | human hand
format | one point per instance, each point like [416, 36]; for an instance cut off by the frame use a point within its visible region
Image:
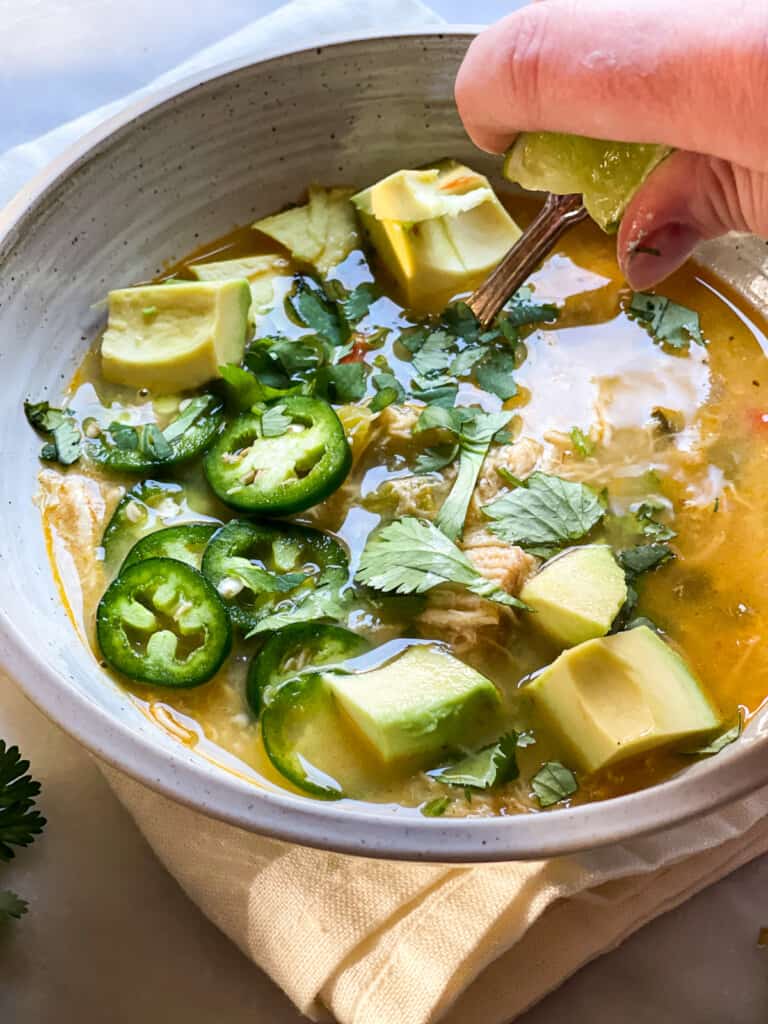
[691, 75]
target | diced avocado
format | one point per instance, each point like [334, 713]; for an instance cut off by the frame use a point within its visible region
[261, 272]
[171, 339]
[322, 232]
[438, 231]
[577, 595]
[620, 695]
[419, 704]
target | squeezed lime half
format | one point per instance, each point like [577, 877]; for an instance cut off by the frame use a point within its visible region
[606, 173]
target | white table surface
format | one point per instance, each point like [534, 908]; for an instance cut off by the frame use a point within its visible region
[110, 937]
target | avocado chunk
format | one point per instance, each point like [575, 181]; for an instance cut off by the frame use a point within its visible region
[173, 338]
[418, 705]
[263, 273]
[577, 595]
[621, 695]
[438, 231]
[323, 232]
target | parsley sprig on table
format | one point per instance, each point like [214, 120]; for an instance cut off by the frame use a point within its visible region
[20, 821]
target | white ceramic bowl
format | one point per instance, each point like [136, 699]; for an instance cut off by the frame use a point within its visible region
[144, 189]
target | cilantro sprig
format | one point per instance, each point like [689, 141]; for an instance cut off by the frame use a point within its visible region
[412, 556]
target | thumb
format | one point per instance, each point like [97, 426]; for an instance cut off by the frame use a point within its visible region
[687, 199]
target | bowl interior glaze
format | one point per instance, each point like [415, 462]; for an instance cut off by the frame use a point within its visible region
[142, 191]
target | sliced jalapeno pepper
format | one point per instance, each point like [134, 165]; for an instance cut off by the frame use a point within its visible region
[257, 567]
[126, 449]
[294, 721]
[294, 649]
[185, 542]
[162, 622]
[292, 463]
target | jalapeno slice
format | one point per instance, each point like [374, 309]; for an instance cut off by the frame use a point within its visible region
[126, 449]
[254, 468]
[289, 722]
[162, 622]
[258, 567]
[297, 648]
[185, 542]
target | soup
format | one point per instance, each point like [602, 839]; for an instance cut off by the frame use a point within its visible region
[392, 557]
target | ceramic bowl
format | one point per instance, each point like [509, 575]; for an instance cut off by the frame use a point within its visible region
[144, 189]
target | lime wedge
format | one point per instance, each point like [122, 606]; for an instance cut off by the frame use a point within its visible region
[606, 173]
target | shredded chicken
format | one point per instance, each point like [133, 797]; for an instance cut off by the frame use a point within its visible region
[462, 619]
[519, 458]
[75, 508]
[508, 565]
[397, 423]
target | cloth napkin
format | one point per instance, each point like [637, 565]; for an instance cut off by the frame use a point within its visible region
[373, 942]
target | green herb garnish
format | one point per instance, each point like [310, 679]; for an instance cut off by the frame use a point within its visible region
[491, 766]
[666, 321]
[721, 741]
[58, 424]
[545, 514]
[411, 556]
[435, 808]
[552, 783]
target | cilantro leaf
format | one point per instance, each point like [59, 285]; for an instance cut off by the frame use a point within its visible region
[261, 581]
[43, 417]
[666, 321]
[152, 443]
[20, 822]
[344, 382]
[436, 808]
[495, 373]
[59, 425]
[388, 391]
[435, 355]
[357, 303]
[189, 415]
[461, 322]
[545, 514]
[491, 766]
[441, 393]
[432, 460]
[11, 906]
[323, 602]
[411, 556]
[644, 557]
[582, 443]
[124, 436]
[521, 310]
[315, 310]
[243, 389]
[274, 422]
[475, 437]
[552, 783]
[720, 742]
[462, 363]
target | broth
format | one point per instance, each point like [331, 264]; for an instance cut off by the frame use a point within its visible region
[594, 368]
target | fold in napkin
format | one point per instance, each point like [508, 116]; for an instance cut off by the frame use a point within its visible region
[374, 942]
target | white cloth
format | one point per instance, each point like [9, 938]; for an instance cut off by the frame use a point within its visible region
[371, 942]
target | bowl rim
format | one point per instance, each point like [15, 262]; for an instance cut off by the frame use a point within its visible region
[189, 780]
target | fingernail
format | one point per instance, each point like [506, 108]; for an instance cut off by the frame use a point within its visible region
[650, 258]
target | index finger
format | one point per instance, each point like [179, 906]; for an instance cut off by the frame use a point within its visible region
[689, 75]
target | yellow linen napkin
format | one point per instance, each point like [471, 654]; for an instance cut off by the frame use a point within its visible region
[373, 942]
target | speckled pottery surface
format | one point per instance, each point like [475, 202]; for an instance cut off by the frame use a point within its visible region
[143, 190]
